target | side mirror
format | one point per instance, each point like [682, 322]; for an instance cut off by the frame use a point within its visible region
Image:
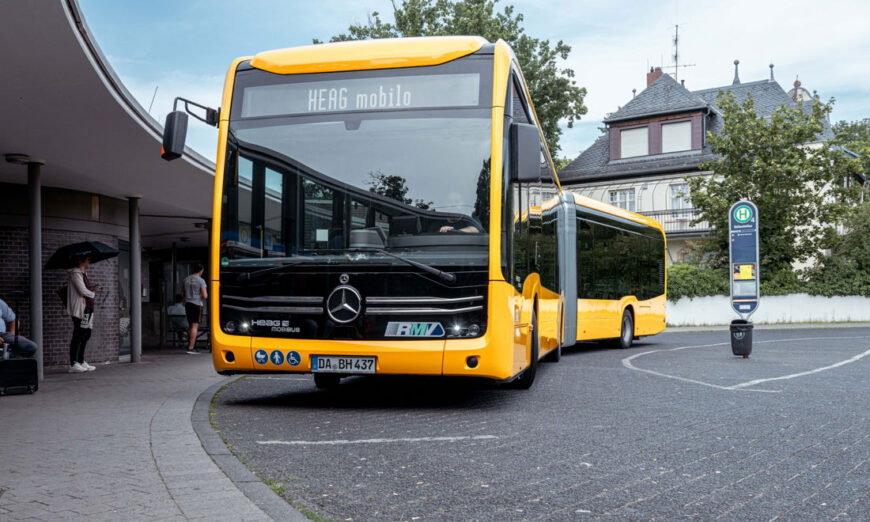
[525, 149]
[174, 135]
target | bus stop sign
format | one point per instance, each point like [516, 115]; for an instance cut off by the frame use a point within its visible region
[743, 254]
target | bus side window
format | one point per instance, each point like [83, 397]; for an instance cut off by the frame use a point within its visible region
[317, 222]
[585, 260]
[520, 112]
[273, 212]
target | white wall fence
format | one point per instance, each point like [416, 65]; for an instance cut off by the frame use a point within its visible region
[794, 308]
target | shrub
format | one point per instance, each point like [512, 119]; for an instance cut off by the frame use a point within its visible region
[689, 280]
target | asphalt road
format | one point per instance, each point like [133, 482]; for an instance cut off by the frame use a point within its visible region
[675, 427]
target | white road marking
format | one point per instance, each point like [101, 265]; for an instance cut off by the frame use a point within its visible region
[801, 374]
[371, 441]
[743, 386]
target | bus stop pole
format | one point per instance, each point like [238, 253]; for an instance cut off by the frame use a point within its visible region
[34, 189]
[135, 282]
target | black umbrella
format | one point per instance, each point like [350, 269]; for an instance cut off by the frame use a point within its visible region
[68, 256]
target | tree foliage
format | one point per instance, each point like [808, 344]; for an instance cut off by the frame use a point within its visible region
[800, 189]
[855, 136]
[393, 187]
[554, 91]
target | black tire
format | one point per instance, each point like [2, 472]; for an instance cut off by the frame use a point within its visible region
[326, 381]
[626, 330]
[525, 380]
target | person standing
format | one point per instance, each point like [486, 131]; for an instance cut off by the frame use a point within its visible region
[80, 305]
[24, 347]
[195, 292]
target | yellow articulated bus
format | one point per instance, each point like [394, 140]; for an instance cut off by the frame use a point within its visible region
[390, 207]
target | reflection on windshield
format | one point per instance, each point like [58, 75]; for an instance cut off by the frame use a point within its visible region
[409, 181]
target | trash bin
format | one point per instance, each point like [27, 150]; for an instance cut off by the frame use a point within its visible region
[741, 337]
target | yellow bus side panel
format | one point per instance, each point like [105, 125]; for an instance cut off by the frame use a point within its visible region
[650, 318]
[549, 311]
[600, 318]
[597, 319]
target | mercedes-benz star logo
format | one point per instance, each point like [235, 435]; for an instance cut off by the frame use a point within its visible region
[344, 304]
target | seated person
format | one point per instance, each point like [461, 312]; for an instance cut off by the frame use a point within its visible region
[178, 307]
[25, 347]
[456, 223]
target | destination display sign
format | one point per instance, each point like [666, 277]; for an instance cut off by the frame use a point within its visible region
[743, 254]
[362, 94]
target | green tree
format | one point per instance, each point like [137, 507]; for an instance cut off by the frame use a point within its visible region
[800, 190]
[394, 187]
[855, 136]
[554, 91]
[847, 270]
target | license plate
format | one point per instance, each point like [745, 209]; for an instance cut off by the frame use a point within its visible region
[342, 364]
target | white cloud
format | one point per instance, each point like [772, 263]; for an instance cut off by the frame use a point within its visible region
[827, 44]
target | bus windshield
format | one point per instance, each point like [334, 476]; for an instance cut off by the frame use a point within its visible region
[328, 183]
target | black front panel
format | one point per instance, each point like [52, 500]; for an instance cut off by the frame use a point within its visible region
[393, 302]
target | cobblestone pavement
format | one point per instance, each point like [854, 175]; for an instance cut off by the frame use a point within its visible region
[676, 427]
[114, 444]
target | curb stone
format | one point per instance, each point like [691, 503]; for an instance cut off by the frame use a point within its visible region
[258, 492]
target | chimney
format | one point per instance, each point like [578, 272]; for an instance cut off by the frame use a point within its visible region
[736, 77]
[653, 75]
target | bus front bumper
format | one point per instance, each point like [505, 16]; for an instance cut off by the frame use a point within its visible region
[475, 357]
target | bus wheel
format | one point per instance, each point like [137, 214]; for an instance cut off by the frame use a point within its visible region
[524, 381]
[626, 333]
[326, 381]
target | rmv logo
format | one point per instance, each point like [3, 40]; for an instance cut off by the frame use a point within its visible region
[414, 329]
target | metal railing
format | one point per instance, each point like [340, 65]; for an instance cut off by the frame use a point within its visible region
[679, 221]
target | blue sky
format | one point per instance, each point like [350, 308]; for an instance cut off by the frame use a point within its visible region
[185, 47]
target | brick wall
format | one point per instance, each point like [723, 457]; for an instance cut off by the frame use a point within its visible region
[57, 327]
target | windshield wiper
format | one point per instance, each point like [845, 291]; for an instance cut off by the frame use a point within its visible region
[244, 276]
[446, 276]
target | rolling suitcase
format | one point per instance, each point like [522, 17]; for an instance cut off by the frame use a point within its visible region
[18, 376]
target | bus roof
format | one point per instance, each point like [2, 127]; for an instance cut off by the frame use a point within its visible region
[367, 54]
[594, 204]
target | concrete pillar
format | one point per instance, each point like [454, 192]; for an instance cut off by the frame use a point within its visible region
[34, 218]
[135, 282]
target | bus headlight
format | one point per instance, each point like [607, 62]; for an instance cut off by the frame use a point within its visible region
[244, 327]
[230, 326]
[473, 330]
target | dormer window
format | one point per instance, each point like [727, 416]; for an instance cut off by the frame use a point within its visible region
[676, 136]
[634, 142]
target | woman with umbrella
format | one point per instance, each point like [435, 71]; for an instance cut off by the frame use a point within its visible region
[80, 303]
[80, 294]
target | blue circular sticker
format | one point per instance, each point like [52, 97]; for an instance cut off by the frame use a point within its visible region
[293, 358]
[277, 357]
[261, 356]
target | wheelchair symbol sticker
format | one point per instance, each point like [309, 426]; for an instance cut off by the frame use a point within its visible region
[261, 356]
[277, 357]
[293, 358]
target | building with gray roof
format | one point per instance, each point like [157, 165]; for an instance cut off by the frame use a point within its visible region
[658, 138]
